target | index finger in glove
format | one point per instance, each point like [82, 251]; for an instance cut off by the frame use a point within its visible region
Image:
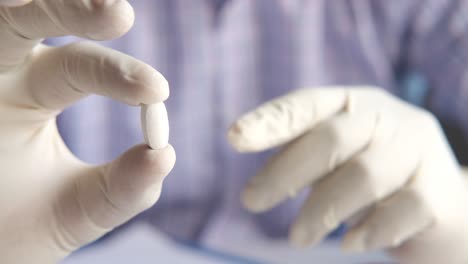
[60, 76]
[21, 28]
[285, 118]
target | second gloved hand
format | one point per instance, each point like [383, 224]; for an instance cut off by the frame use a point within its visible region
[363, 152]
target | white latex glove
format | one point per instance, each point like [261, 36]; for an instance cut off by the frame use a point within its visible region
[50, 202]
[364, 153]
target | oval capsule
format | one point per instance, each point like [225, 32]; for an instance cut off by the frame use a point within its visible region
[155, 125]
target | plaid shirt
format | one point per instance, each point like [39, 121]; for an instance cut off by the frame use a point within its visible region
[224, 57]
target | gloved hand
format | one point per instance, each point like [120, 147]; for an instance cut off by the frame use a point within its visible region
[51, 203]
[366, 155]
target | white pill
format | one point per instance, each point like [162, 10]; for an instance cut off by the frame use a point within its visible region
[155, 125]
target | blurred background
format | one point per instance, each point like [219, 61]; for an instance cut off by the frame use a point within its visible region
[224, 57]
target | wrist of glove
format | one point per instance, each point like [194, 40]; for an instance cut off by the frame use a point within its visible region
[362, 152]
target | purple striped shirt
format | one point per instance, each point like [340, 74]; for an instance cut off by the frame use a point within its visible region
[224, 57]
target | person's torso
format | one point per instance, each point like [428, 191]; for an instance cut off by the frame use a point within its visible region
[222, 60]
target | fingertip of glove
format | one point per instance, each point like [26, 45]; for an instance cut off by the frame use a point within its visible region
[253, 200]
[159, 161]
[237, 138]
[155, 88]
[354, 241]
[150, 164]
[139, 83]
[109, 19]
[233, 135]
[299, 237]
